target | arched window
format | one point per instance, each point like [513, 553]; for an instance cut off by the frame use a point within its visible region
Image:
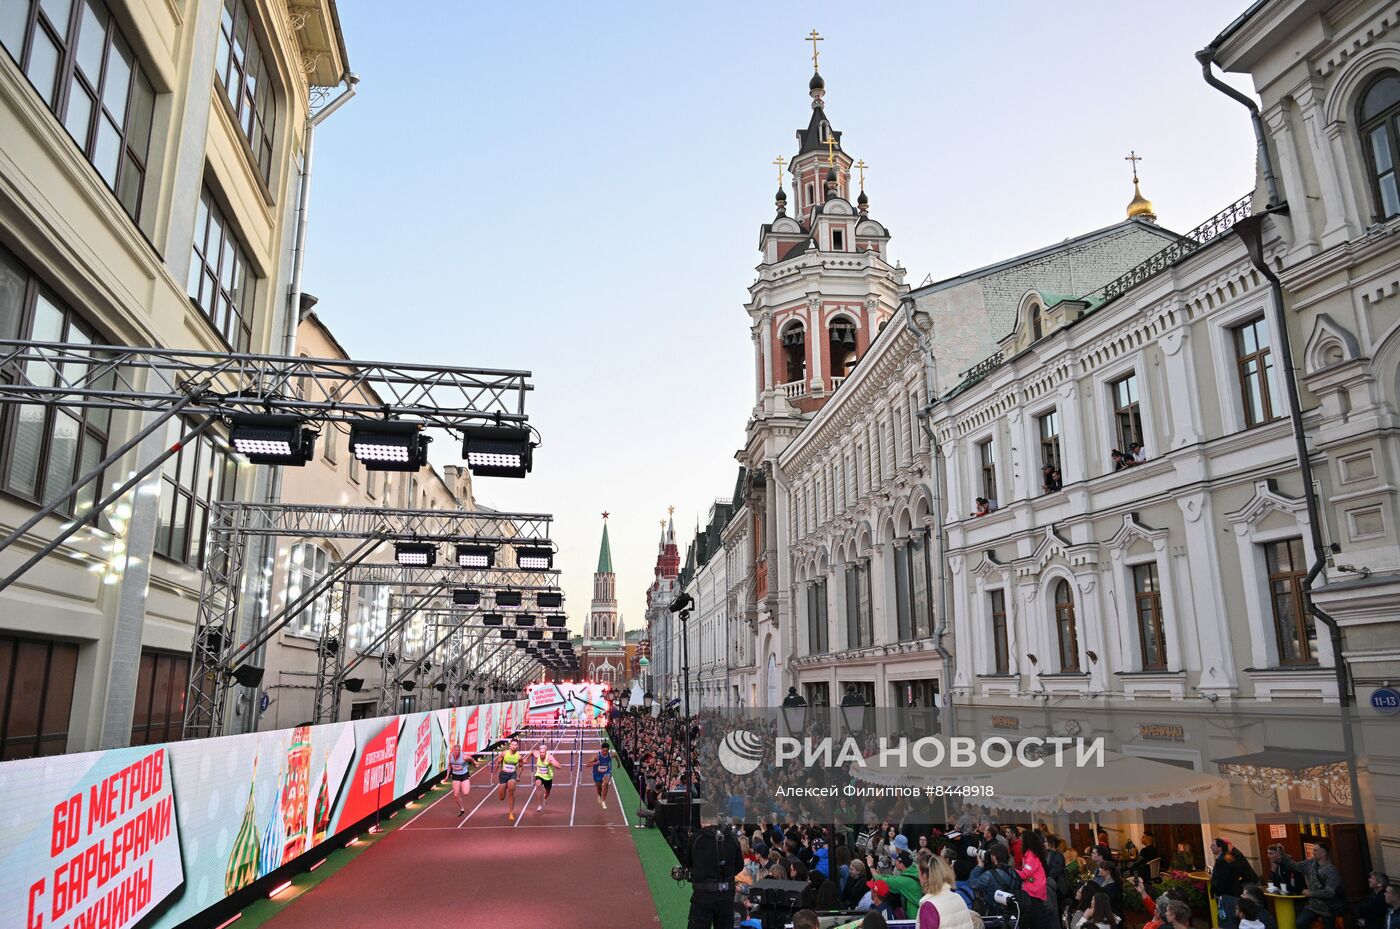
[794, 353]
[1035, 320]
[842, 338]
[1065, 627]
[1379, 119]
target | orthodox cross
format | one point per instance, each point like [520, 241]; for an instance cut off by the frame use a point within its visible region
[830, 143]
[861, 166]
[1134, 157]
[779, 161]
[670, 511]
[814, 38]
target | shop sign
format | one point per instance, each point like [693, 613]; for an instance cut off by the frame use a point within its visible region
[1005, 722]
[1162, 732]
[1386, 701]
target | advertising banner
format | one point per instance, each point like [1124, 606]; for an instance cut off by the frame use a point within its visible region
[567, 704]
[153, 835]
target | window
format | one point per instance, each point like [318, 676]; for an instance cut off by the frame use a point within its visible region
[1127, 414]
[859, 628]
[1380, 107]
[842, 338]
[1255, 366]
[921, 570]
[221, 283]
[1152, 636]
[794, 353]
[191, 479]
[86, 72]
[1066, 630]
[1000, 649]
[160, 697]
[986, 461]
[817, 628]
[242, 69]
[44, 449]
[309, 563]
[36, 696]
[903, 588]
[1294, 629]
[1035, 321]
[838, 240]
[1049, 428]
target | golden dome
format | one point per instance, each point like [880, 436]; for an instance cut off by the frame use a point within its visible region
[1140, 205]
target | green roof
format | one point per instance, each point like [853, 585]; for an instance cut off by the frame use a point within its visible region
[605, 554]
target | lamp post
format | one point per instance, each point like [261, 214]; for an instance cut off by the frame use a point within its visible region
[683, 605]
[794, 712]
[853, 710]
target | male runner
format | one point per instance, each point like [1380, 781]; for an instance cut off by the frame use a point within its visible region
[545, 763]
[602, 773]
[459, 769]
[510, 765]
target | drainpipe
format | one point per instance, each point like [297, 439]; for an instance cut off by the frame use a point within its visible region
[949, 661]
[1206, 57]
[1251, 232]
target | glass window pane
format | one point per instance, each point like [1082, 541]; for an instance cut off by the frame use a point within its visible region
[31, 659]
[92, 38]
[63, 455]
[29, 442]
[58, 699]
[93, 449]
[221, 61]
[106, 150]
[177, 527]
[118, 81]
[138, 131]
[1384, 94]
[1390, 195]
[79, 117]
[13, 280]
[58, 12]
[1380, 148]
[14, 15]
[129, 185]
[43, 65]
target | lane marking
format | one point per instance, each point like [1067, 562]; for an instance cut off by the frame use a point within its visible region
[491, 790]
[415, 819]
[619, 803]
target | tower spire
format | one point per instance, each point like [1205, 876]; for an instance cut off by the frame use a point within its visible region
[605, 565]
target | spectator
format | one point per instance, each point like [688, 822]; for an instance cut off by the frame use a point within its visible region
[881, 899]
[1392, 903]
[857, 883]
[1253, 892]
[1050, 479]
[1227, 878]
[1038, 904]
[1147, 855]
[1182, 859]
[1249, 911]
[874, 920]
[828, 897]
[1118, 459]
[982, 508]
[906, 883]
[1370, 913]
[1178, 915]
[1099, 915]
[805, 919]
[1323, 888]
[940, 907]
[993, 873]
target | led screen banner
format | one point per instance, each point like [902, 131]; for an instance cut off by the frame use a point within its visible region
[568, 704]
[150, 836]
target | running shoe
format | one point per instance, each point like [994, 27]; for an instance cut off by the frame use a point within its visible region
[511, 817]
[605, 804]
[461, 812]
[539, 808]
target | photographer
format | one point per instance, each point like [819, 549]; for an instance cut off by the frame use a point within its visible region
[715, 860]
[993, 873]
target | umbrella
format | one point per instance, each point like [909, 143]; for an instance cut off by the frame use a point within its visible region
[1123, 782]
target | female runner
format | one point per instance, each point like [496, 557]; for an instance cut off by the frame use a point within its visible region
[545, 763]
[459, 769]
[510, 768]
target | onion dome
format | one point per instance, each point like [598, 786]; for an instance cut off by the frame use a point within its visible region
[1140, 207]
[780, 201]
[816, 83]
[863, 202]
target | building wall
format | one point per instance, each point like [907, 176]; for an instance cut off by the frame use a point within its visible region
[124, 274]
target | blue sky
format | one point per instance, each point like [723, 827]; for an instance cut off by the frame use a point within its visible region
[576, 189]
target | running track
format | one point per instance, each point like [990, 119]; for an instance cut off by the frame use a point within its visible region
[574, 866]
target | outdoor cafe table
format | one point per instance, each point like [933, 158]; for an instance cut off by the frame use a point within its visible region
[1283, 907]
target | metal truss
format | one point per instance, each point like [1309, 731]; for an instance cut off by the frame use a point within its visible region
[125, 378]
[396, 575]
[215, 660]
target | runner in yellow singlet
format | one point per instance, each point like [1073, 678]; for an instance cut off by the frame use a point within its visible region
[545, 763]
[509, 775]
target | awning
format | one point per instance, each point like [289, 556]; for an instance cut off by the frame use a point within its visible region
[1123, 782]
[895, 774]
[1278, 768]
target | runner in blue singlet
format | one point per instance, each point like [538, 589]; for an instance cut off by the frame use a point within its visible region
[602, 774]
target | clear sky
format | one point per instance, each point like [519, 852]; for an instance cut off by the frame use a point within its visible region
[576, 189]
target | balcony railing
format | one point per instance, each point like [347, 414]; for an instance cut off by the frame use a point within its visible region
[794, 389]
[837, 382]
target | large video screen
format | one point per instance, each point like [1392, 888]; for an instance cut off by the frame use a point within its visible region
[568, 705]
[155, 834]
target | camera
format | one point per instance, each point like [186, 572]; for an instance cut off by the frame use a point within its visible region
[680, 873]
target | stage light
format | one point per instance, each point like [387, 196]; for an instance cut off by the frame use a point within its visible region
[272, 440]
[533, 558]
[493, 619]
[525, 619]
[557, 621]
[519, 643]
[329, 647]
[354, 684]
[561, 635]
[497, 451]
[408, 685]
[440, 687]
[549, 599]
[476, 556]
[508, 598]
[416, 554]
[534, 633]
[389, 446]
[465, 596]
[248, 675]
[507, 633]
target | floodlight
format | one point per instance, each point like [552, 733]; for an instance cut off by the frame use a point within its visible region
[534, 633]
[549, 599]
[507, 633]
[389, 446]
[525, 619]
[493, 619]
[476, 556]
[329, 647]
[440, 687]
[561, 635]
[416, 554]
[354, 684]
[556, 621]
[519, 643]
[466, 596]
[248, 675]
[407, 684]
[508, 598]
[272, 440]
[533, 558]
[497, 451]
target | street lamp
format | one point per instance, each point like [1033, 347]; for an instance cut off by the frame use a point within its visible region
[683, 604]
[794, 712]
[853, 709]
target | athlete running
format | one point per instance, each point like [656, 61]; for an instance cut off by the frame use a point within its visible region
[459, 769]
[508, 777]
[545, 763]
[602, 773]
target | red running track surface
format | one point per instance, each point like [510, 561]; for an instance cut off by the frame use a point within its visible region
[541, 872]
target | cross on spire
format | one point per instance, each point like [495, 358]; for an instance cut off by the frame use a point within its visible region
[814, 38]
[1134, 157]
[830, 143]
[779, 161]
[861, 166]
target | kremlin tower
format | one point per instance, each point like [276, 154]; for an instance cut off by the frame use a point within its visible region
[602, 657]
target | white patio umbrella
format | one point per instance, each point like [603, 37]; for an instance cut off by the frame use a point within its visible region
[1123, 782]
